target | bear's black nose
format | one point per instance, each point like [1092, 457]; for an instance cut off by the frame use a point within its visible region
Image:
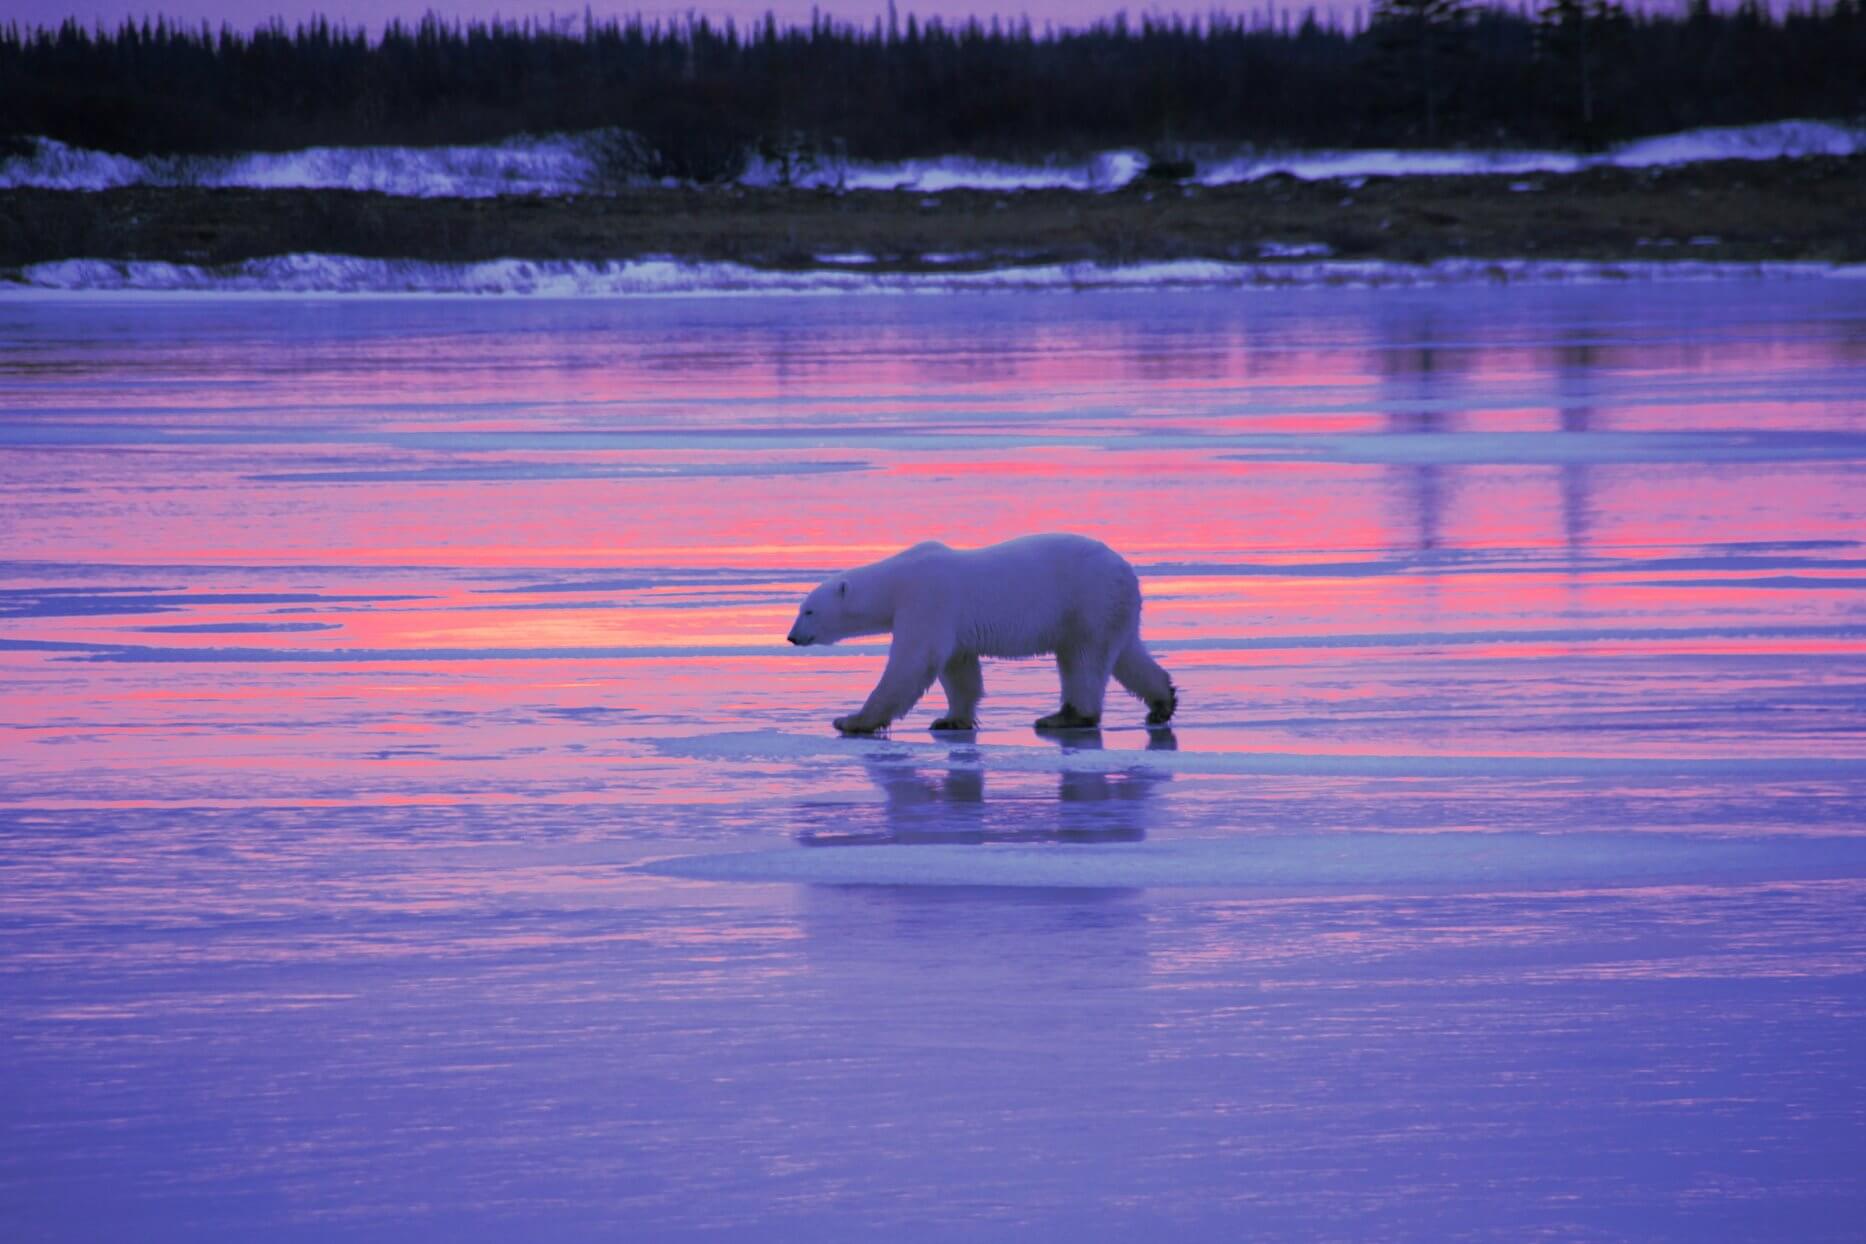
[795, 640]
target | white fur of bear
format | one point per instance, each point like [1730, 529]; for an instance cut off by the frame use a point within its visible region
[946, 608]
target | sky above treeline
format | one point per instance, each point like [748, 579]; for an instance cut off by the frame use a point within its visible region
[374, 14]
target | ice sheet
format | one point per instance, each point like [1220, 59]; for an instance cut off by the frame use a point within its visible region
[1499, 879]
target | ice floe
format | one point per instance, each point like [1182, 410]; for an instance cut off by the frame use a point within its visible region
[302, 274]
[566, 164]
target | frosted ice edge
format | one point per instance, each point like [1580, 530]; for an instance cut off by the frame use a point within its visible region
[1317, 862]
[302, 274]
[775, 746]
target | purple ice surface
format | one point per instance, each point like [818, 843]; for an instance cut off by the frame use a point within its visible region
[414, 826]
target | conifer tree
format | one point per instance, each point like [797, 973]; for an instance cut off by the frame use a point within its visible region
[1576, 39]
[1418, 42]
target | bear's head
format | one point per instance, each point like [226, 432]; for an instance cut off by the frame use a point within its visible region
[846, 605]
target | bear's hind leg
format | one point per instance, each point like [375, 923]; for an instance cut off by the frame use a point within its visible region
[1136, 670]
[1084, 674]
[964, 685]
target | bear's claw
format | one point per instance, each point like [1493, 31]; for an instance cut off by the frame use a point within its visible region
[846, 725]
[954, 723]
[1159, 712]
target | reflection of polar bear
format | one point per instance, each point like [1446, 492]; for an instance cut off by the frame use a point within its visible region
[1065, 594]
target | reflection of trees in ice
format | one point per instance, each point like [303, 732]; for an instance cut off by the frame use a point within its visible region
[1417, 379]
[1574, 362]
[950, 804]
[1421, 389]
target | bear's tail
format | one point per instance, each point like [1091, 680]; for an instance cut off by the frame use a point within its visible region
[1144, 678]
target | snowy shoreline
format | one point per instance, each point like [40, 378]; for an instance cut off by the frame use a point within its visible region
[344, 275]
[574, 164]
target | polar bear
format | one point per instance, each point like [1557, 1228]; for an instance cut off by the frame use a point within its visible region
[947, 607]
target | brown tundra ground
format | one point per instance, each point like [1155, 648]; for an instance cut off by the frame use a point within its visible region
[1808, 209]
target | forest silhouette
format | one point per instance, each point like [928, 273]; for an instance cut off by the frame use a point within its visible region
[693, 98]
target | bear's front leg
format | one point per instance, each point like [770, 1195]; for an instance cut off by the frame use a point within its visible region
[913, 662]
[965, 687]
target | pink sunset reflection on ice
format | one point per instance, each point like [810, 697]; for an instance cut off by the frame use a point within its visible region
[499, 557]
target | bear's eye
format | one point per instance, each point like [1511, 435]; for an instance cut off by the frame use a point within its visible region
[808, 612]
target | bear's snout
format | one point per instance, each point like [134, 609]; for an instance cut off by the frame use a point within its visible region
[800, 640]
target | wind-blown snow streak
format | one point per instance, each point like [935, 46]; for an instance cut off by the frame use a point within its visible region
[564, 164]
[345, 274]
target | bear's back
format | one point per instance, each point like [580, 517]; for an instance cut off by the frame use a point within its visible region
[1052, 556]
[1031, 594]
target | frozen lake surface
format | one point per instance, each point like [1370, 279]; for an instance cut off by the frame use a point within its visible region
[414, 826]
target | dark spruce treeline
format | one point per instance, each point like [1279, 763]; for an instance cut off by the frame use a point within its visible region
[694, 96]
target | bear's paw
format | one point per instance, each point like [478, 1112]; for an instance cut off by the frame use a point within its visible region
[1067, 718]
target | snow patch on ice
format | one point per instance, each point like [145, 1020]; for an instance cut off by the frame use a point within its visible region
[346, 274]
[1306, 863]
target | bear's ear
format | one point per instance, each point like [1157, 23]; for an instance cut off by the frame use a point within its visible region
[842, 589]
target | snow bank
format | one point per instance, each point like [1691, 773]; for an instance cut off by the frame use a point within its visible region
[559, 164]
[555, 165]
[573, 164]
[1110, 170]
[344, 274]
[1772, 141]
[52, 165]
[1323, 165]
[1324, 862]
